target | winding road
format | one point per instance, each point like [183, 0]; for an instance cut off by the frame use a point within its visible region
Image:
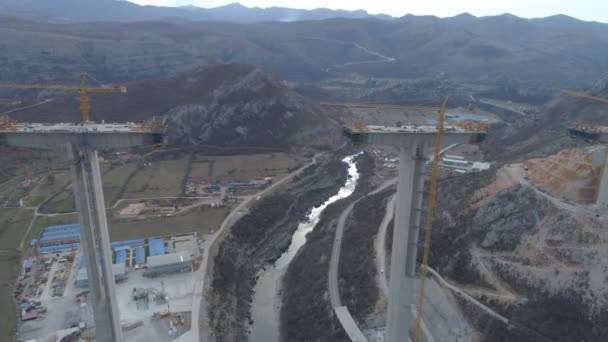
[381, 58]
[346, 319]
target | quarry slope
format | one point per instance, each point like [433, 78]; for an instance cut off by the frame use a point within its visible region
[572, 174]
[544, 256]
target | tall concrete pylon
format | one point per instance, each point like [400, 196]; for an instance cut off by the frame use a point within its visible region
[412, 141]
[81, 142]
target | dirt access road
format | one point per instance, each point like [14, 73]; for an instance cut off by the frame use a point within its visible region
[379, 244]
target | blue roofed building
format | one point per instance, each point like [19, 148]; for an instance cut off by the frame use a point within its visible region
[157, 247]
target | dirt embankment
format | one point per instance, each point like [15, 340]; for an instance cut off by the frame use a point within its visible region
[570, 174]
[259, 238]
[550, 258]
[306, 314]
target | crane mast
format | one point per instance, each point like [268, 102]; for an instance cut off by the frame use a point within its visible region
[85, 109]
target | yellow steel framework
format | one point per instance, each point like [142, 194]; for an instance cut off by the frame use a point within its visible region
[429, 217]
[82, 88]
[583, 95]
[374, 105]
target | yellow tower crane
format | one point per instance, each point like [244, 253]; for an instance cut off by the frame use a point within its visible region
[583, 95]
[82, 88]
[586, 126]
[469, 125]
[429, 217]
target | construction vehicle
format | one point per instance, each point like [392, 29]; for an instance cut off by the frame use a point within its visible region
[82, 88]
[179, 319]
[161, 314]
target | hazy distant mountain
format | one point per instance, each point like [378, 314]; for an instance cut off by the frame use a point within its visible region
[545, 131]
[503, 56]
[116, 10]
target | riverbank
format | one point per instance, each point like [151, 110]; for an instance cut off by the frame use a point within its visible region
[267, 299]
[306, 314]
[258, 239]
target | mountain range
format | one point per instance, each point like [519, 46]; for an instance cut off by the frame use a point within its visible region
[116, 10]
[502, 56]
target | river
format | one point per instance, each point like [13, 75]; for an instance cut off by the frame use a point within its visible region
[266, 303]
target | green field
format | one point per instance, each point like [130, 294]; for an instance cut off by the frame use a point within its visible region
[34, 200]
[201, 221]
[114, 180]
[244, 167]
[54, 183]
[13, 224]
[9, 268]
[161, 179]
[200, 169]
[61, 203]
[10, 190]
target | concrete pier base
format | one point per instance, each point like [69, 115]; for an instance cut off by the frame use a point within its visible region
[405, 242]
[411, 140]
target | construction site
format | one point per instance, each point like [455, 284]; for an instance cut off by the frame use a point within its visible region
[154, 278]
[277, 174]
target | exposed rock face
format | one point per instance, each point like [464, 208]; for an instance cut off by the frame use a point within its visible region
[507, 217]
[252, 109]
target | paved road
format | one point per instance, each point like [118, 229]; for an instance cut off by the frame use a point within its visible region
[334, 290]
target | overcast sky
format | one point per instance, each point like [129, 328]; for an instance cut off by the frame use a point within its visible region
[582, 9]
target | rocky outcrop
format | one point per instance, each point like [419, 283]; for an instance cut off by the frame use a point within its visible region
[251, 109]
[507, 217]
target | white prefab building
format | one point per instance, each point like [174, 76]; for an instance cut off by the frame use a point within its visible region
[169, 263]
[119, 271]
